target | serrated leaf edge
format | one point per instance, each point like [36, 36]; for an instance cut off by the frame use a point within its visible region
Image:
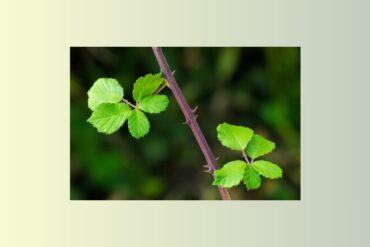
[248, 189]
[282, 172]
[130, 129]
[222, 142]
[89, 120]
[274, 146]
[167, 102]
[228, 187]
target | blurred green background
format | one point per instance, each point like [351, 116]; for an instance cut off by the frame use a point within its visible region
[254, 87]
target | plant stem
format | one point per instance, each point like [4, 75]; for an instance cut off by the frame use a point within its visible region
[245, 157]
[161, 88]
[129, 103]
[189, 116]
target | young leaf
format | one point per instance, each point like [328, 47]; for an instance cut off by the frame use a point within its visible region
[259, 146]
[104, 90]
[146, 86]
[233, 136]
[267, 169]
[138, 124]
[109, 117]
[154, 104]
[230, 174]
[252, 179]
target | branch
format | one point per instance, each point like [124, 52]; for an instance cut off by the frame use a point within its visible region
[189, 117]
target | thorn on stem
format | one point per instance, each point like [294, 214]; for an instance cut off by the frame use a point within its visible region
[208, 171]
[195, 109]
[208, 168]
[186, 122]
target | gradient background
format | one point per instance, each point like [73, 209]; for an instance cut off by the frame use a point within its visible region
[333, 210]
[256, 87]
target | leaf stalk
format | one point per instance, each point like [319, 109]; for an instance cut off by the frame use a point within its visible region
[129, 103]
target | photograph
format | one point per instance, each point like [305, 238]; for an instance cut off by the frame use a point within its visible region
[185, 123]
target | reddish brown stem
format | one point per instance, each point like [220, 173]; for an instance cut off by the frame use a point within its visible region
[189, 116]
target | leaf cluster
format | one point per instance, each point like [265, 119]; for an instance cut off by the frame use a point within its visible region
[252, 146]
[110, 110]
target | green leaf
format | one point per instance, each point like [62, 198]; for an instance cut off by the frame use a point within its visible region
[267, 169]
[233, 136]
[252, 179]
[138, 124]
[104, 90]
[230, 174]
[259, 146]
[146, 86]
[109, 117]
[154, 104]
